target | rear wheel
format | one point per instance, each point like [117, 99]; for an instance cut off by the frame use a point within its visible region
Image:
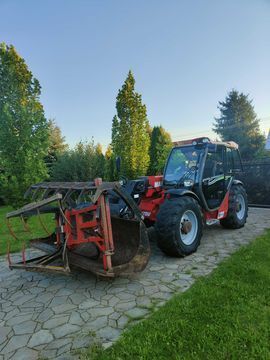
[238, 208]
[179, 226]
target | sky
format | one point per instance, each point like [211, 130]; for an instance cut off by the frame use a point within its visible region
[186, 55]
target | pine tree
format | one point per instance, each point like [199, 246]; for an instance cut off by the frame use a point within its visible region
[161, 144]
[238, 122]
[130, 136]
[57, 144]
[24, 136]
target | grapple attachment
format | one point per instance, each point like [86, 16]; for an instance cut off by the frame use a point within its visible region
[99, 228]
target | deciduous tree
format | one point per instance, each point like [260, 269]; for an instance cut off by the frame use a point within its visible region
[110, 167]
[24, 136]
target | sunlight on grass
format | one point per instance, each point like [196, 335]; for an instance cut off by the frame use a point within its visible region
[223, 316]
[34, 226]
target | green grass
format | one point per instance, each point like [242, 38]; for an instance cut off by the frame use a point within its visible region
[33, 223]
[223, 316]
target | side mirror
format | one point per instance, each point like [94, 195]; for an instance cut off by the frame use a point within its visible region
[118, 164]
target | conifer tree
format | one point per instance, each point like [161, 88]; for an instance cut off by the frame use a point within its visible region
[161, 144]
[83, 163]
[57, 142]
[130, 136]
[238, 122]
[57, 145]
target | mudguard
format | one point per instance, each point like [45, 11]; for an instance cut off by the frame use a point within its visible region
[182, 192]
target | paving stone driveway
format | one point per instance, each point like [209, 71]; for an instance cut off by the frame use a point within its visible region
[47, 316]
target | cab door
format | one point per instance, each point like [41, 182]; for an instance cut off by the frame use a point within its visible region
[233, 164]
[213, 179]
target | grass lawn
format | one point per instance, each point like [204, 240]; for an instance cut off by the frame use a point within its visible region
[34, 225]
[223, 316]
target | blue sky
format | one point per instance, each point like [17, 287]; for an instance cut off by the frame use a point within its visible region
[185, 55]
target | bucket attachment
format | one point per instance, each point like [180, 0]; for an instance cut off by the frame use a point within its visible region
[99, 228]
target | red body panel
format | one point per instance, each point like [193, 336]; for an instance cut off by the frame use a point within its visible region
[224, 206]
[155, 196]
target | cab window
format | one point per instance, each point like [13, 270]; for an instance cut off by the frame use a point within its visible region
[236, 161]
[229, 160]
[214, 164]
[233, 161]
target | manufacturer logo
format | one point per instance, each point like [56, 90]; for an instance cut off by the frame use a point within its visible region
[146, 213]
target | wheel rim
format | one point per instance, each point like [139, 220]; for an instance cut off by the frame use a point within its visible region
[240, 206]
[188, 227]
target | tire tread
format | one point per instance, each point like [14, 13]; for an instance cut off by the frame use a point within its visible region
[231, 221]
[167, 224]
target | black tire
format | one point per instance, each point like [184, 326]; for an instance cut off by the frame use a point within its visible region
[168, 225]
[233, 219]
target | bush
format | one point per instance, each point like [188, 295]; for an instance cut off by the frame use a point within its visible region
[83, 163]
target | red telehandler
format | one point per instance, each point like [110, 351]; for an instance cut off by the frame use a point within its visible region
[102, 227]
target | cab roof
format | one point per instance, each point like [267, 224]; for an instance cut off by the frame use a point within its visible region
[205, 140]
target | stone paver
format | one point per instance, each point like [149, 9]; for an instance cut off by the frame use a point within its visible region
[40, 338]
[47, 316]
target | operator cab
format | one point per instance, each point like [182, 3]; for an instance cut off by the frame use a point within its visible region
[182, 166]
[204, 167]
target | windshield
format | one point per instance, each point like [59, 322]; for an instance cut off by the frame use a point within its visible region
[182, 165]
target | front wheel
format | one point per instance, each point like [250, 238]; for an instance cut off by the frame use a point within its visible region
[238, 208]
[179, 226]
